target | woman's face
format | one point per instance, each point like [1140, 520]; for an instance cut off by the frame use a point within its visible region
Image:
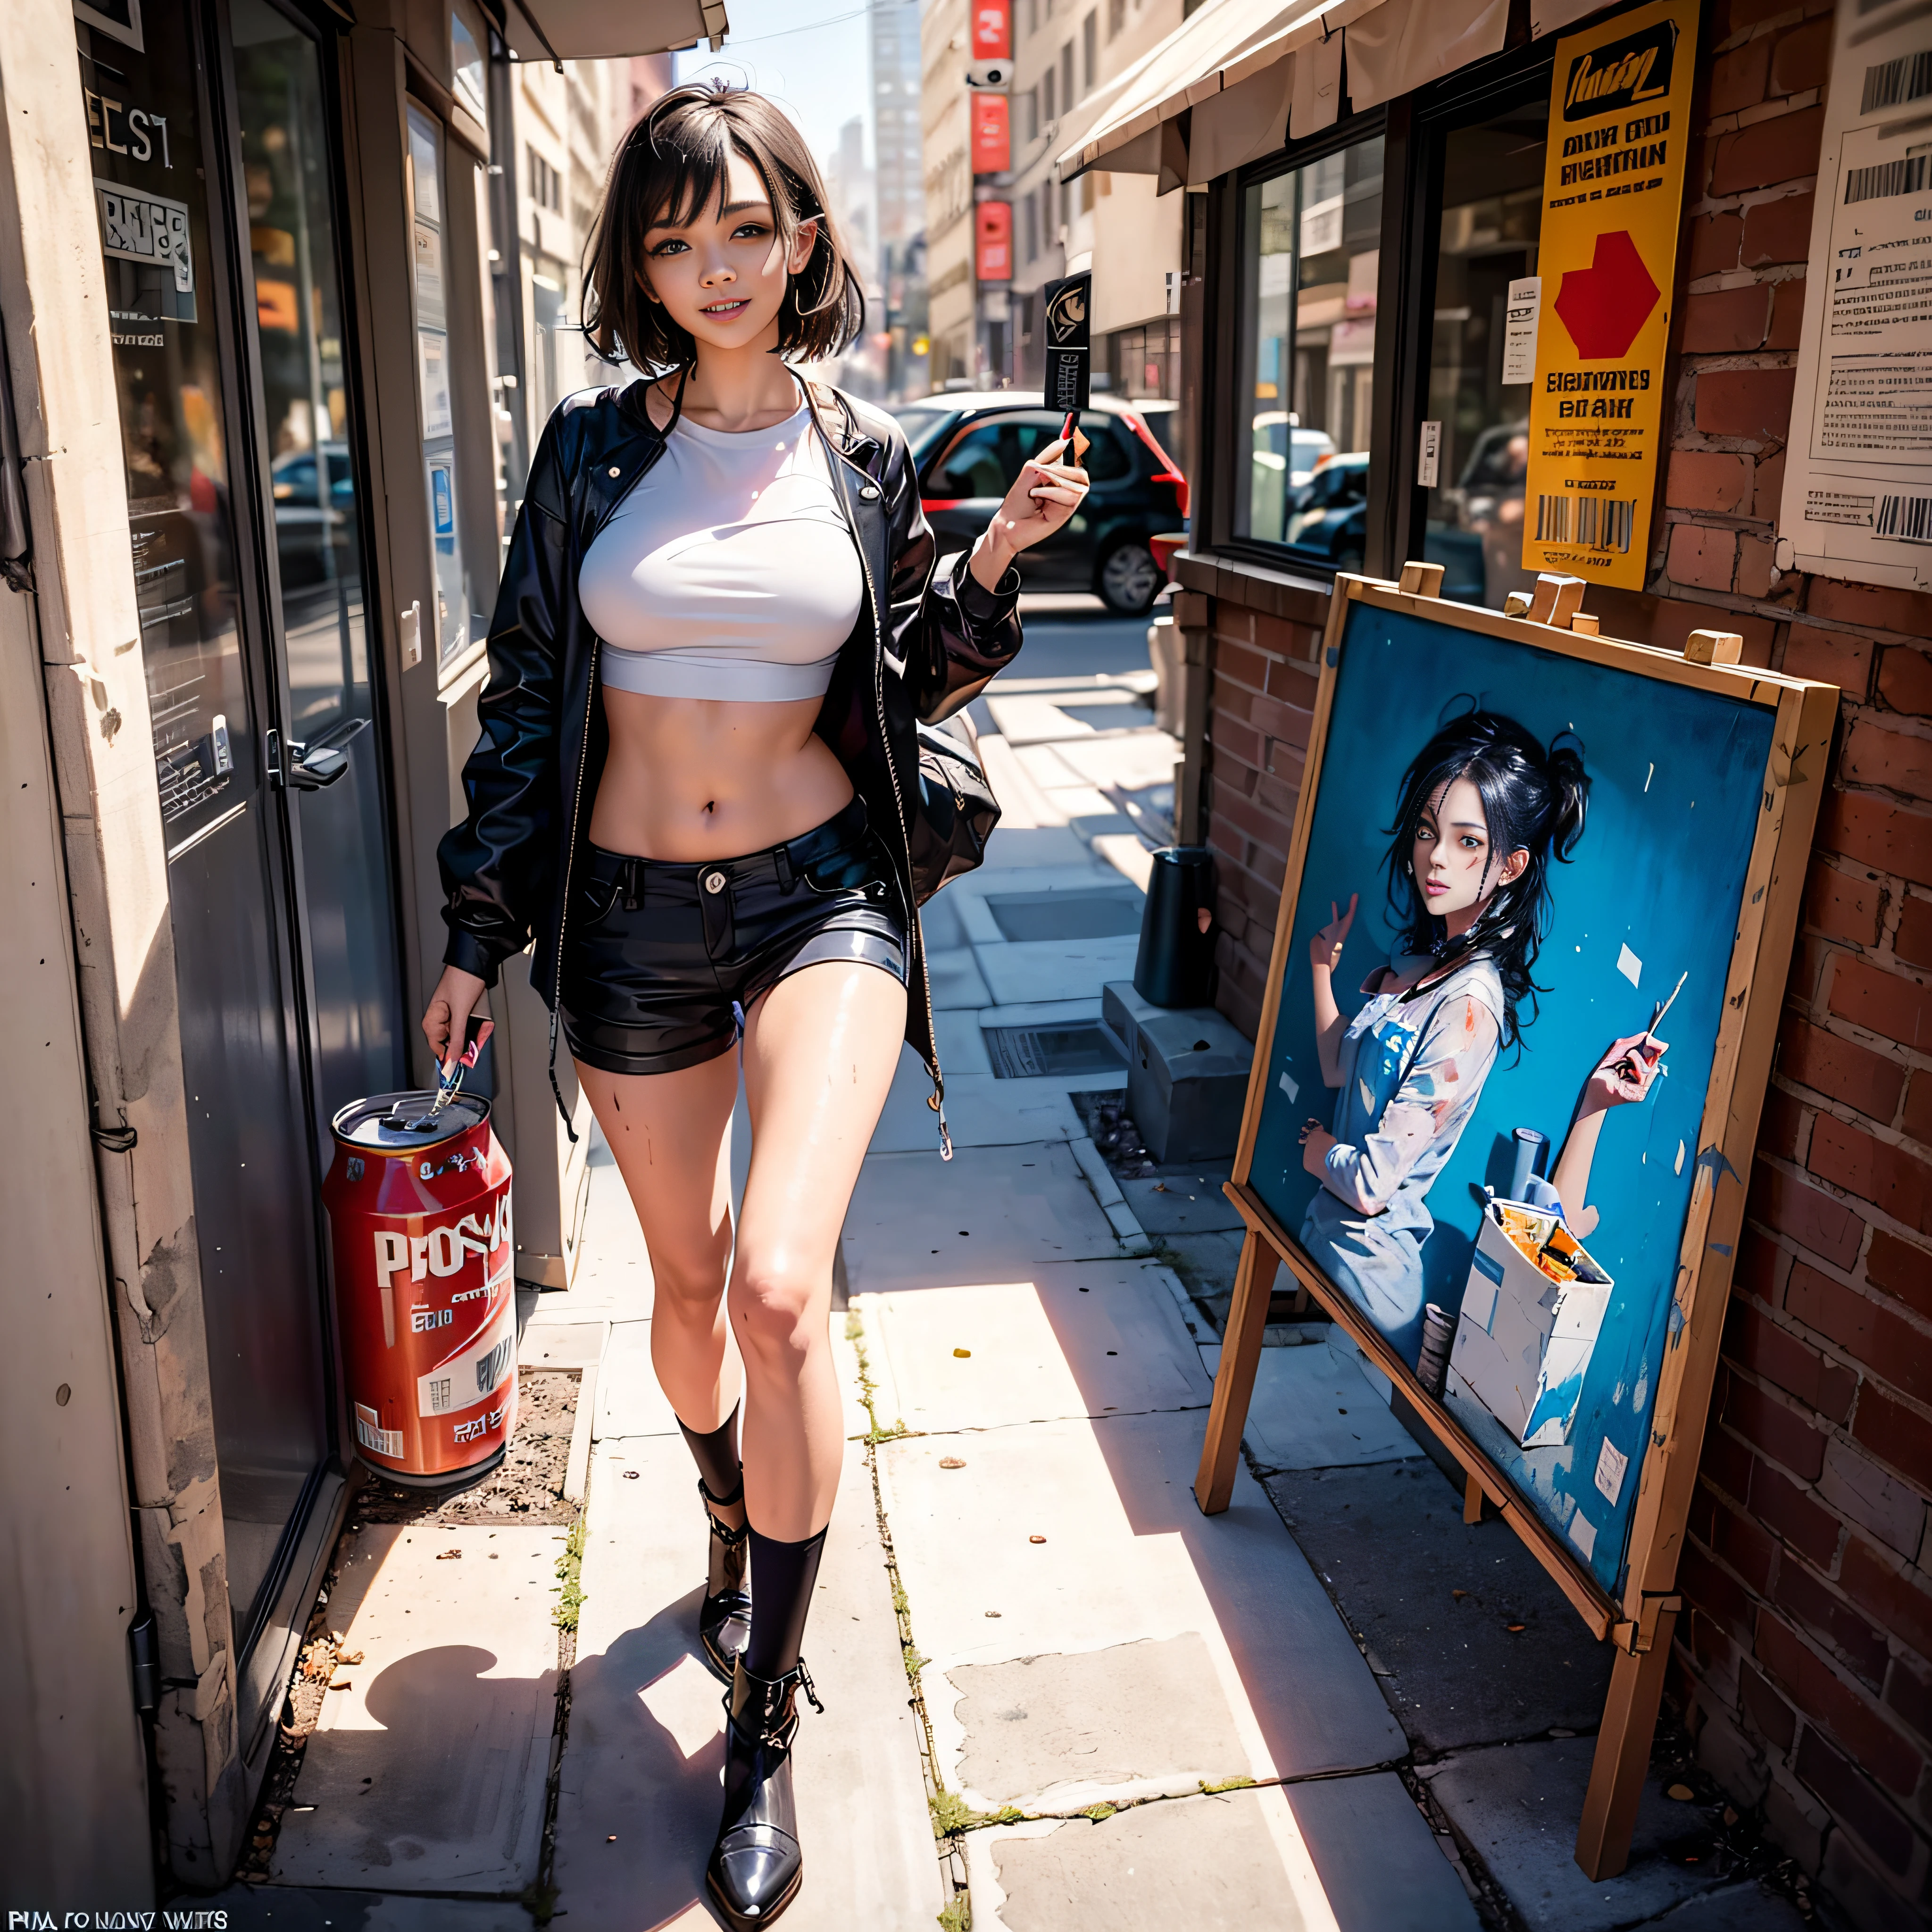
[1457, 870]
[722, 275]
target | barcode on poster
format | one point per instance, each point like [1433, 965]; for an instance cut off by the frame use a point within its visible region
[372, 1436]
[1893, 82]
[1904, 519]
[1905, 176]
[1596, 523]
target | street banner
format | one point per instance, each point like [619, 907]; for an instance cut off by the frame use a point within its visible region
[1607, 261]
[1858, 477]
[992, 30]
[993, 242]
[1070, 308]
[992, 139]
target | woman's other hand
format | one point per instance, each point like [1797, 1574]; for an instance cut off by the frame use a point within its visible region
[1316, 1140]
[1047, 491]
[1324, 949]
[1625, 1074]
[448, 1014]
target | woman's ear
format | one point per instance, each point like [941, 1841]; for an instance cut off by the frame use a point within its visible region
[802, 244]
[1514, 866]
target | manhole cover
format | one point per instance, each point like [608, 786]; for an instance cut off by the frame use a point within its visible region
[1106, 913]
[1024, 1053]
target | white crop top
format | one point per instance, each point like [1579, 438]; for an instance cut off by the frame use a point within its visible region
[729, 571]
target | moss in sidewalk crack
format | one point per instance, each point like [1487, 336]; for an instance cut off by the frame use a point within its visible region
[855, 1326]
[958, 1917]
[951, 1815]
[1226, 1784]
[569, 1576]
[1100, 1813]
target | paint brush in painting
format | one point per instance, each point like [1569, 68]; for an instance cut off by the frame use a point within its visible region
[1649, 1044]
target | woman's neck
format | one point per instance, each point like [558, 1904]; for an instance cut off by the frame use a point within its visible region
[748, 388]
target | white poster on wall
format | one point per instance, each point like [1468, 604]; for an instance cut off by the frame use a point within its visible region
[1857, 480]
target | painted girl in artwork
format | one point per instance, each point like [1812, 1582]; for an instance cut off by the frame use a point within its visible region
[1483, 809]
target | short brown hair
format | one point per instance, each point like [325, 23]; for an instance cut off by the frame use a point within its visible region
[675, 159]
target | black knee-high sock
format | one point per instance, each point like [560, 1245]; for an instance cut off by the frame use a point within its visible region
[782, 1577]
[716, 1453]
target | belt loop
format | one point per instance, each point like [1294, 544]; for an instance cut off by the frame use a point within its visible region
[631, 892]
[787, 873]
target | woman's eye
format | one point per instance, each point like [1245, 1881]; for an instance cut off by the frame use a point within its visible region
[751, 231]
[668, 247]
[1470, 843]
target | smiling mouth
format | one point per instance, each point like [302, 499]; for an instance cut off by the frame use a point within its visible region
[726, 308]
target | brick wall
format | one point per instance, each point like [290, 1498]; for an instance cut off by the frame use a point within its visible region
[1803, 1661]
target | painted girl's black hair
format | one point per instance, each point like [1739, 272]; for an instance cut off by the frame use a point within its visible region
[1534, 801]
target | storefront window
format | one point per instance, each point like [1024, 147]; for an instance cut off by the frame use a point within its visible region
[144, 122]
[452, 582]
[1492, 213]
[1310, 252]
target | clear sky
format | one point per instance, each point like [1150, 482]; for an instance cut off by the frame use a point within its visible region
[809, 55]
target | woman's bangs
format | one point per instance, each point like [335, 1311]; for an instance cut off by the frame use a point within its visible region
[697, 174]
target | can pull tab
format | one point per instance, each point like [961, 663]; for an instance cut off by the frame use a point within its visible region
[449, 1081]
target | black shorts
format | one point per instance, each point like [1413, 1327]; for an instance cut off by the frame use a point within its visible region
[658, 955]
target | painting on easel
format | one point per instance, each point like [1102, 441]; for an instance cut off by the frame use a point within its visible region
[1539, 904]
[1499, 1011]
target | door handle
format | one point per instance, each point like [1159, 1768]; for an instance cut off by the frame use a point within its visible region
[304, 770]
[310, 770]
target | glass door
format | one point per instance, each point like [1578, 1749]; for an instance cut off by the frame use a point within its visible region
[215, 703]
[308, 463]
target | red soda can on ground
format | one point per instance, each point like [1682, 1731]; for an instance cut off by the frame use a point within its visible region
[419, 1204]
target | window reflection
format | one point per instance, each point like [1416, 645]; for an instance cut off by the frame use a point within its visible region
[1311, 241]
[1492, 216]
[298, 322]
[144, 125]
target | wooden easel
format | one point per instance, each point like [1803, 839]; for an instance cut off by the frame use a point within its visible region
[1641, 1623]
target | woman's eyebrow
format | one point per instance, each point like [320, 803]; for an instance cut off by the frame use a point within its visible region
[724, 214]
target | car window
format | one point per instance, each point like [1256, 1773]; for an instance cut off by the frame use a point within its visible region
[923, 428]
[1107, 458]
[972, 467]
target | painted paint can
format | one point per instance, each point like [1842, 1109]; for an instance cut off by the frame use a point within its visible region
[419, 1206]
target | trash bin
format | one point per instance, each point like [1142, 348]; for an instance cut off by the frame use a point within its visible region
[1175, 964]
[425, 1293]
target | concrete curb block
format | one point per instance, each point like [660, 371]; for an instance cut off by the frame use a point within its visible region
[576, 1470]
[1120, 1217]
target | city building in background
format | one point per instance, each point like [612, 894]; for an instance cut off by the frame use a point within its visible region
[1069, 61]
[952, 292]
[899, 180]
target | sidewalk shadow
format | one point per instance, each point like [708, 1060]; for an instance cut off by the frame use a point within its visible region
[643, 1811]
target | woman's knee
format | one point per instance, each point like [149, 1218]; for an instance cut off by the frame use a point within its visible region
[689, 1284]
[777, 1310]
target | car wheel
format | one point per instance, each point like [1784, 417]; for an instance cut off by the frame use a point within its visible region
[1129, 580]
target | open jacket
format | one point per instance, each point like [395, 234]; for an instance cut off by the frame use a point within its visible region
[927, 640]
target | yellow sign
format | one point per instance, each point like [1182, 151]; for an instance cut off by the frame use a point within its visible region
[1607, 261]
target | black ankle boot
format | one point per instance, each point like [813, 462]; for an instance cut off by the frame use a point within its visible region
[724, 1623]
[756, 1866]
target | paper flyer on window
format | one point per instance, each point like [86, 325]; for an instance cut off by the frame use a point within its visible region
[1612, 204]
[1857, 480]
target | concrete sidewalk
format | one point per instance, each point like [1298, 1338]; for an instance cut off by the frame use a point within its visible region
[1058, 1697]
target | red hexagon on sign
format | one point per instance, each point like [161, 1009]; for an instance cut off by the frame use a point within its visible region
[1604, 305]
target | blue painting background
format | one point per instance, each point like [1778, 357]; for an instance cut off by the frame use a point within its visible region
[1677, 777]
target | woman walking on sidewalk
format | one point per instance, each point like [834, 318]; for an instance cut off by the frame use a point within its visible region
[697, 790]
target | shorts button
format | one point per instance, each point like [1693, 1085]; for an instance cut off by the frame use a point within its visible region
[714, 882]
[615, 471]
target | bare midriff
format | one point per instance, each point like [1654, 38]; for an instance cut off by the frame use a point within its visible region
[693, 779]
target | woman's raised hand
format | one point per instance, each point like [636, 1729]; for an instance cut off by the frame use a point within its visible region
[1324, 949]
[1626, 1073]
[1047, 491]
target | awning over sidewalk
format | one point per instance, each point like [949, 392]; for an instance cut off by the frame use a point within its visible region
[538, 30]
[1248, 72]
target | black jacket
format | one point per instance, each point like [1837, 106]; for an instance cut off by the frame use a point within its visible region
[927, 641]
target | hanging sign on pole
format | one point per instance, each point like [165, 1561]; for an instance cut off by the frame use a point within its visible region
[1606, 261]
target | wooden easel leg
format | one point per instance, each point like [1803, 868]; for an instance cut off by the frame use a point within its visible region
[1623, 1755]
[1234, 1384]
[1472, 1500]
